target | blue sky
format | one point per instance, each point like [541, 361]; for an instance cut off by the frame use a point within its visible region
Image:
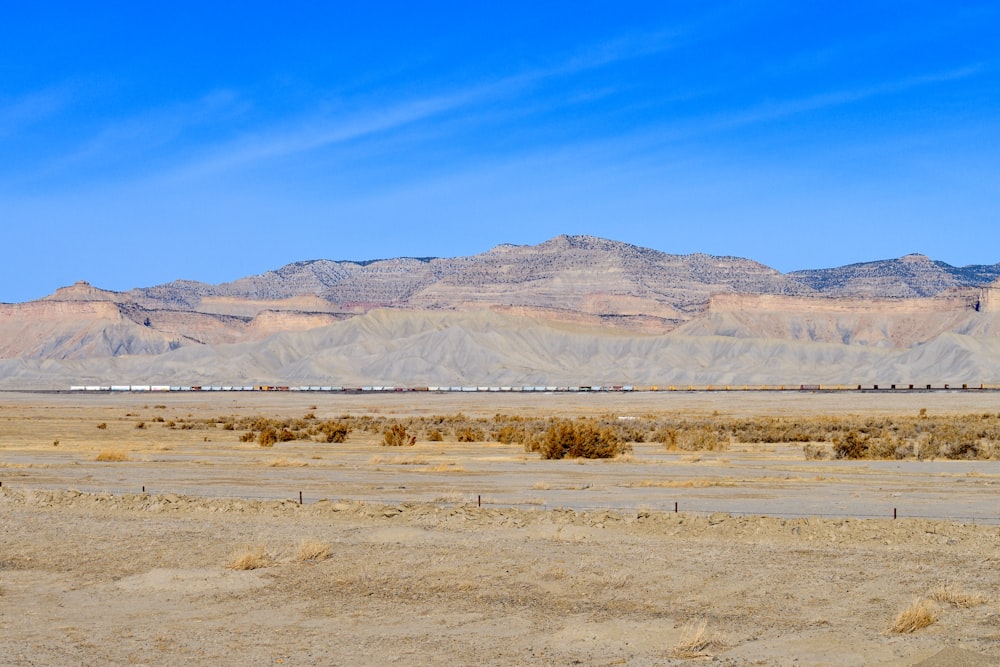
[144, 143]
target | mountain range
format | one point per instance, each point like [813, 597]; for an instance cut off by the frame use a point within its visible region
[571, 310]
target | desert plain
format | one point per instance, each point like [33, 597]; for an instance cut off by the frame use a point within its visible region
[140, 530]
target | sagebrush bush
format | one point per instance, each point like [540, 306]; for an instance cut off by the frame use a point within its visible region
[334, 431]
[813, 452]
[469, 434]
[397, 436]
[852, 445]
[268, 437]
[580, 439]
[702, 439]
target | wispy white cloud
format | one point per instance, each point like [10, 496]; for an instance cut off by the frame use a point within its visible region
[773, 111]
[317, 131]
[149, 131]
[29, 109]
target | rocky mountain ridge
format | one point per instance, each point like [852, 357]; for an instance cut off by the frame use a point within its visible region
[573, 289]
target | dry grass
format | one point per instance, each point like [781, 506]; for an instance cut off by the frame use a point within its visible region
[445, 467]
[946, 594]
[694, 642]
[451, 497]
[313, 550]
[701, 483]
[250, 558]
[112, 456]
[285, 463]
[399, 460]
[920, 614]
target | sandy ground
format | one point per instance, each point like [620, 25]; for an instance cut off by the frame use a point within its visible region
[564, 563]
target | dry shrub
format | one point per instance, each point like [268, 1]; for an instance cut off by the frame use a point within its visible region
[702, 439]
[852, 445]
[946, 594]
[250, 558]
[313, 550]
[694, 642]
[918, 615]
[268, 437]
[334, 431]
[397, 436]
[814, 452]
[434, 435]
[469, 434]
[666, 437]
[580, 439]
[112, 456]
[102, 426]
[509, 434]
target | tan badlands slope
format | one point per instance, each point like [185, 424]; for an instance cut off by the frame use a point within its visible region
[571, 311]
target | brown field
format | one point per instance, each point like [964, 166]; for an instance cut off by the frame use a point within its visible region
[156, 529]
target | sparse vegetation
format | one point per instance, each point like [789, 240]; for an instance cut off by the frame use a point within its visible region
[920, 614]
[268, 437]
[694, 642]
[111, 456]
[286, 463]
[313, 550]
[579, 439]
[397, 436]
[814, 452]
[469, 434]
[919, 435]
[947, 594]
[250, 558]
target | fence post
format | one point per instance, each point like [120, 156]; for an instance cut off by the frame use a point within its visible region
[479, 501]
[300, 497]
[675, 507]
[893, 513]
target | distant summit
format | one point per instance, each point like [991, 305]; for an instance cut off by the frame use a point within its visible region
[914, 275]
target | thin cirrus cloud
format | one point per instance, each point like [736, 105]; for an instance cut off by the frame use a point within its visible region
[32, 108]
[708, 124]
[319, 131]
[155, 129]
